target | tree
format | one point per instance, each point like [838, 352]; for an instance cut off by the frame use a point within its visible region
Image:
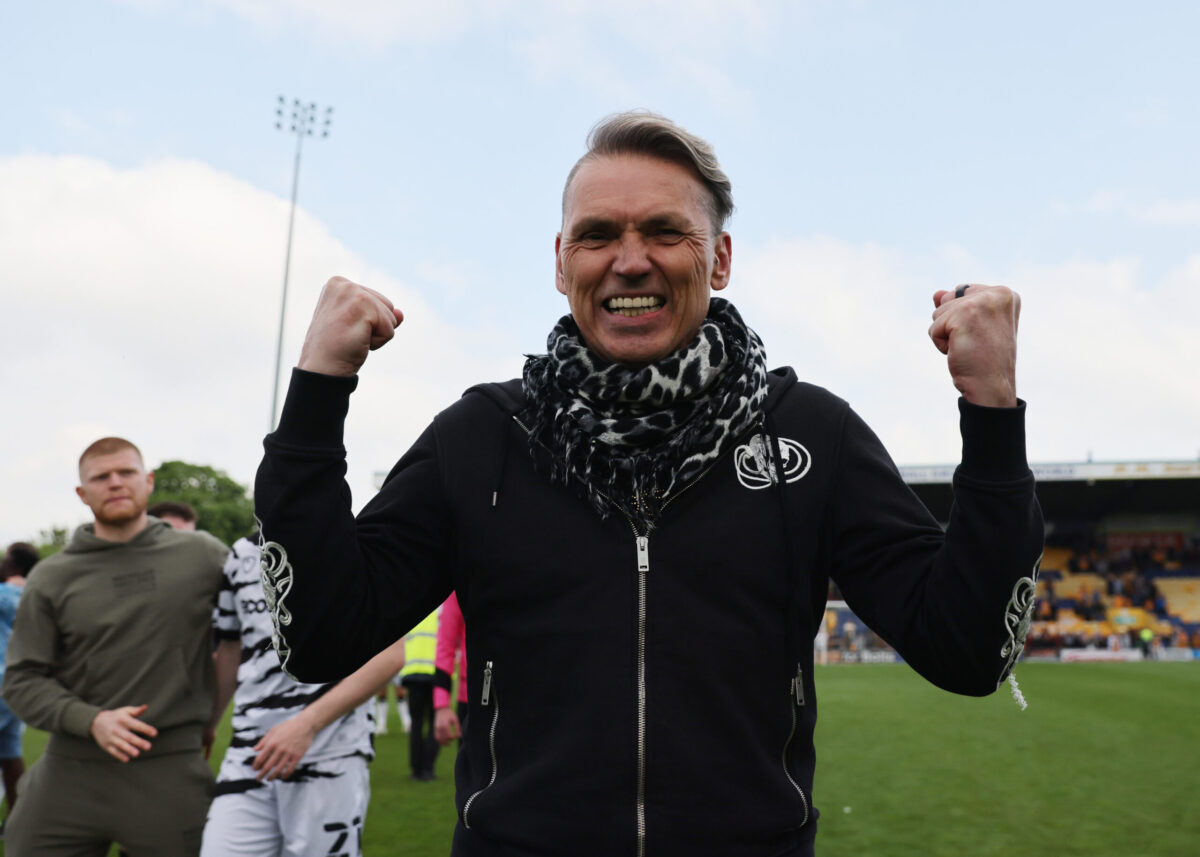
[51, 541]
[223, 506]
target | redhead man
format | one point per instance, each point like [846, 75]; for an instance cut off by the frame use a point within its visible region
[111, 653]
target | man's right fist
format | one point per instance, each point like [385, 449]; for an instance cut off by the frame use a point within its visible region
[349, 322]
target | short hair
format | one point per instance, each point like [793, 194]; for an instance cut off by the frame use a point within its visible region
[640, 132]
[20, 558]
[107, 446]
[174, 508]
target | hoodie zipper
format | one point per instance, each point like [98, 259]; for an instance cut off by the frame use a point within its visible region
[795, 703]
[643, 566]
[642, 544]
[485, 698]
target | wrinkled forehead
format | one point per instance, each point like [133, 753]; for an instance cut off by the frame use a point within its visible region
[123, 459]
[585, 182]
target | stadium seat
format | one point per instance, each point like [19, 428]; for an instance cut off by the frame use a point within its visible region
[1055, 559]
[1182, 595]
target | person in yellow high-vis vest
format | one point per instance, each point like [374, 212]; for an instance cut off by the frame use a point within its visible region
[420, 649]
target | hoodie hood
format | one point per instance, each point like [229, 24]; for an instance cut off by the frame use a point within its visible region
[85, 540]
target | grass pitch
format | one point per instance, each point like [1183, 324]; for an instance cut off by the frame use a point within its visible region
[1105, 761]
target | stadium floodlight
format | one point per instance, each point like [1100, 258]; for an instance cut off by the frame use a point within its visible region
[303, 120]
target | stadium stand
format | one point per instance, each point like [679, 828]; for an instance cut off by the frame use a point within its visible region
[1121, 569]
[1182, 595]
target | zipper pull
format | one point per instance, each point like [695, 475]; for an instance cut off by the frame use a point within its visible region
[798, 686]
[643, 549]
[487, 685]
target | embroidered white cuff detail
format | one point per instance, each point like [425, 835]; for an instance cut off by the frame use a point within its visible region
[276, 574]
[1018, 617]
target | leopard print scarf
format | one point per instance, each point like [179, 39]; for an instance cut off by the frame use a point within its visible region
[625, 437]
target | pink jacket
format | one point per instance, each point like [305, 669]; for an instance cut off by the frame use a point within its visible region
[451, 641]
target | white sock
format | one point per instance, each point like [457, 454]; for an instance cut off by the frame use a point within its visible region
[381, 716]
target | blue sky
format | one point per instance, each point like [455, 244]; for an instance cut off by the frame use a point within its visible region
[878, 152]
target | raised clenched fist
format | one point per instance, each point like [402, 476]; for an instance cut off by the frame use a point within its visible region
[975, 326]
[349, 322]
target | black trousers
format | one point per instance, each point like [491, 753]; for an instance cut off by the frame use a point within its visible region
[422, 745]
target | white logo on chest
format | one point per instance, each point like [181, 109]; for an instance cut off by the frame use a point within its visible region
[752, 461]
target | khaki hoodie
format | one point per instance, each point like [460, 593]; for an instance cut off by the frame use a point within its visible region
[107, 624]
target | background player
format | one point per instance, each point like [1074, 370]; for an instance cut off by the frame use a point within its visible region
[294, 779]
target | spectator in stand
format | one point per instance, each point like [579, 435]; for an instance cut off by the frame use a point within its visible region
[18, 562]
[179, 515]
[1160, 604]
[821, 641]
[451, 646]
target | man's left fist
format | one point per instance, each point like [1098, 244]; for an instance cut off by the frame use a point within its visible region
[975, 326]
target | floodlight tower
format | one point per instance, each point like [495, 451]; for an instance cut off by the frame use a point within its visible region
[303, 120]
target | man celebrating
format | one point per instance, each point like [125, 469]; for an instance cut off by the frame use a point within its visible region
[111, 653]
[642, 529]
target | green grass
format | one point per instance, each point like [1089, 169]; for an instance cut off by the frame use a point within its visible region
[1105, 761]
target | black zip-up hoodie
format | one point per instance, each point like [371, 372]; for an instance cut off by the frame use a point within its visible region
[634, 693]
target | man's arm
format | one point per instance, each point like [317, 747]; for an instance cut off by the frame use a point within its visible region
[449, 643]
[956, 604]
[342, 590]
[30, 687]
[951, 602]
[37, 697]
[283, 747]
[226, 660]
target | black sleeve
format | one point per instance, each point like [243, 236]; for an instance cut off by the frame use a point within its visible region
[955, 604]
[343, 589]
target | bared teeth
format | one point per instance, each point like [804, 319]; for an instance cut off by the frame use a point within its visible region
[631, 307]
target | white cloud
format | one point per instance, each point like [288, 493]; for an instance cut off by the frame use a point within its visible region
[145, 303]
[1153, 114]
[1111, 358]
[373, 24]
[72, 122]
[370, 24]
[683, 45]
[1107, 359]
[686, 45]
[1170, 212]
[1163, 212]
[853, 318]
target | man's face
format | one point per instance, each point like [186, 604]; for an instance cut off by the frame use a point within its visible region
[116, 487]
[637, 257]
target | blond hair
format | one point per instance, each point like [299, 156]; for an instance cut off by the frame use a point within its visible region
[640, 132]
